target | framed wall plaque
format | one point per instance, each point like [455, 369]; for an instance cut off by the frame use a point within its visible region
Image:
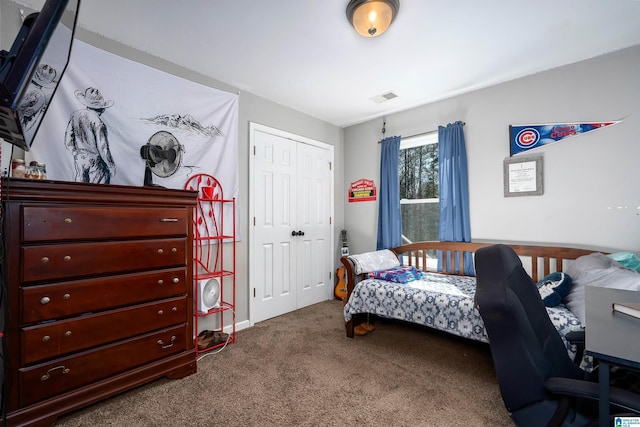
[523, 176]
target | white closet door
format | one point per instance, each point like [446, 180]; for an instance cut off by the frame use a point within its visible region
[274, 257]
[291, 239]
[313, 212]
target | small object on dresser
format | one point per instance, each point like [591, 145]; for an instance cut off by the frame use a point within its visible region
[18, 168]
[33, 171]
[630, 309]
[43, 170]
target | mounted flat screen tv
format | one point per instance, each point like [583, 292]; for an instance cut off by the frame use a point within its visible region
[31, 71]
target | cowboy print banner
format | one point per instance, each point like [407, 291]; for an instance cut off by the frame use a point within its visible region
[116, 121]
[527, 137]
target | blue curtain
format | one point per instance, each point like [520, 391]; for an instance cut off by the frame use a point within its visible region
[454, 189]
[389, 218]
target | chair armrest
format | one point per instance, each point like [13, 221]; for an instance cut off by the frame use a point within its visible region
[575, 337]
[585, 389]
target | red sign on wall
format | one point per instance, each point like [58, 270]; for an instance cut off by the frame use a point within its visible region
[362, 190]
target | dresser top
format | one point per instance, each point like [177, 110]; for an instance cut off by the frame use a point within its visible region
[29, 190]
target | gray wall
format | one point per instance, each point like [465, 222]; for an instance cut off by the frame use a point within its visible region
[591, 195]
[251, 109]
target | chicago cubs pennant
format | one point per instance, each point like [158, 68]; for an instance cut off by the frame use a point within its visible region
[527, 137]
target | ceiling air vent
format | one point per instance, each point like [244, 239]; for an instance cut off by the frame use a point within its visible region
[379, 99]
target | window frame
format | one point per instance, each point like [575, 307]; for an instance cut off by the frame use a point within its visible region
[413, 142]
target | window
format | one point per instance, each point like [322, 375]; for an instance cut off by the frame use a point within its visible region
[419, 188]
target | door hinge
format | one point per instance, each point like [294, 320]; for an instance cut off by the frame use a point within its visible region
[254, 292]
[254, 150]
[329, 165]
[330, 220]
[254, 221]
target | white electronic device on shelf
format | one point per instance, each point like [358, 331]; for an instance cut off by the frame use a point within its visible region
[208, 294]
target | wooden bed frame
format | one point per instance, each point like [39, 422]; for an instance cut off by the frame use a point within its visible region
[539, 261]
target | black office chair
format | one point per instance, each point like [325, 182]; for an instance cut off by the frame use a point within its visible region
[539, 383]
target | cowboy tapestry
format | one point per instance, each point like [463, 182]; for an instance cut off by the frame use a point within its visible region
[116, 121]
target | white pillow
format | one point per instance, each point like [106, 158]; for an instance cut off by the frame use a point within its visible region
[597, 269]
[372, 261]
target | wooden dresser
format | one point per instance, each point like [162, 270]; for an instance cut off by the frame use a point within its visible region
[98, 294]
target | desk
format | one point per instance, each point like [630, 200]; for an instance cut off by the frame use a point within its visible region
[611, 338]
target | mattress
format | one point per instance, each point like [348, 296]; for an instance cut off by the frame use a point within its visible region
[440, 301]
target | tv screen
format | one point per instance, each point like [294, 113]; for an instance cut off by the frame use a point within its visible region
[31, 71]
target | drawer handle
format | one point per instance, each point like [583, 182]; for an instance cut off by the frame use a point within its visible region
[46, 376]
[45, 300]
[160, 282]
[176, 280]
[168, 219]
[67, 258]
[163, 345]
[160, 251]
[45, 259]
[67, 220]
[66, 296]
[46, 338]
[160, 312]
[174, 250]
[67, 334]
[174, 308]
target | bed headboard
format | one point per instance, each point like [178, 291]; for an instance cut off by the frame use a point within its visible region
[546, 259]
[538, 261]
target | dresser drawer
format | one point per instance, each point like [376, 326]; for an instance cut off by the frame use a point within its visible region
[60, 300]
[48, 340]
[50, 223]
[50, 379]
[61, 261]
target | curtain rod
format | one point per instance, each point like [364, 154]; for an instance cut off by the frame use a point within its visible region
[420, 134]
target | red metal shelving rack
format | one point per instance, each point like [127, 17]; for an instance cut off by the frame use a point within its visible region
[210, 244]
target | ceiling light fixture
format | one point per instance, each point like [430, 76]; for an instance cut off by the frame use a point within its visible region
[371, 18]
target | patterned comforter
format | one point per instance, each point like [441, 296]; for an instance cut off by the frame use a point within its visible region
[440, 301]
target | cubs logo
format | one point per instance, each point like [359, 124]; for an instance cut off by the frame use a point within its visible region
[527, 138]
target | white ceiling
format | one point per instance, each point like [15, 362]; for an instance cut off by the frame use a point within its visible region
[305, 55]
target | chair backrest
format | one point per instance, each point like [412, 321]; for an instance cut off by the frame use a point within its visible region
[525, 346]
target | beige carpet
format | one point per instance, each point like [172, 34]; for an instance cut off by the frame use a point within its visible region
[300, 370]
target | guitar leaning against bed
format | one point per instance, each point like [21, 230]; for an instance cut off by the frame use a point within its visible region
[340, 291]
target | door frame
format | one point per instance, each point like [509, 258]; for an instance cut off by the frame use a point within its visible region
[253, 127]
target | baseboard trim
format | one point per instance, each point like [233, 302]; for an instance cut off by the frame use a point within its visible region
[239, 326]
